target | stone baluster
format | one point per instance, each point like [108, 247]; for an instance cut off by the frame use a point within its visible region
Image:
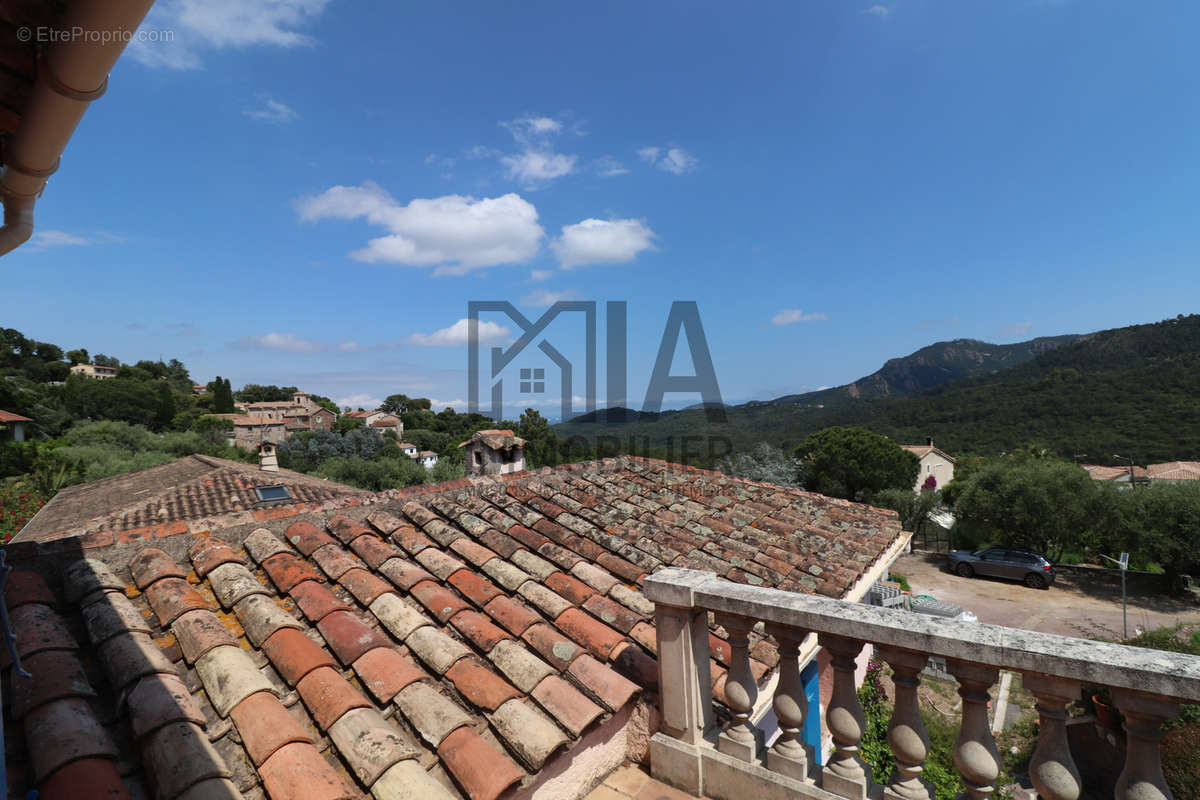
[788, 755]
[975, 752]
[845, 775]
[1052, 770]
[1142, 778]
[906, 731]
[740, 738]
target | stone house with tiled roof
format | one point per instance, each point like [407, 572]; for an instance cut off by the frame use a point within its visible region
[478, 638]
[934, 463]
[12, 426]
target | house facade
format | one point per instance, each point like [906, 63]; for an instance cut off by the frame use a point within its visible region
[494, 452]
[276, 420]
[12, 426]
[94, 372]
[934, 463]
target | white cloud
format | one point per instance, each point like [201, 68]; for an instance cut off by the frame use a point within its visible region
[457, 334]
[272, 111]
[537, 163]
[350, 346]
[609, 167]
[540, 274]
[199, 25]
[878, 11]
[45, 239]
[790, 316]
[675, 160]
[649, 154]
[454, 233]
[360, 400]
[541, 298]
[599, 241]
[284, 342]
[532, 168]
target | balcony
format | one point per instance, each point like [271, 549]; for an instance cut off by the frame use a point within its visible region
[730, 762]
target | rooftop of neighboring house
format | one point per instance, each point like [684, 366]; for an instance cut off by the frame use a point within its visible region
[496, 439]
[195, 492]
[450, 640]
[385, 423]
[1102, 473]
[922, 450]
[8, 416]
[1174, 471]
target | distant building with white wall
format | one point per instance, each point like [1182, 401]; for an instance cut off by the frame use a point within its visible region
[934, 462]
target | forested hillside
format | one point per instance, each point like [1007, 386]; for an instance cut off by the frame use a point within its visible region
[1133, 391]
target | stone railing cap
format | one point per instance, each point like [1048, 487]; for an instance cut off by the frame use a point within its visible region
[1153, 672]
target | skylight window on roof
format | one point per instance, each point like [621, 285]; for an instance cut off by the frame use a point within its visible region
[271, 493]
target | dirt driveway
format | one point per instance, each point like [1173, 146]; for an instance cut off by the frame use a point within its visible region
[1073, 606]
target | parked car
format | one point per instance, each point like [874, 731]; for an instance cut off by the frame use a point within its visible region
[1033, 569]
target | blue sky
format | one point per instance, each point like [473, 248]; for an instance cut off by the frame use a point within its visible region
[310, 191]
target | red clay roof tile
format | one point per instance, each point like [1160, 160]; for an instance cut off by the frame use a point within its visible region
[440, 601]
[478, 629]
[294, 655]
[566, 704]
[328, 695]
[62, 731]
[593, 634]
[307, 538]
[38, 628]
[403, 573]
[286, 570]
[384, 672]
[346, 529]
[482, 770]
[26, 586]
[364, 585]
[297, 771]
[198, 632]
[513, 615]
[610, 688]
[349, 637]
[570, 587]
[265, 726]
[207, 553]
[475, 587]
[56, 674]
[553, 645]
[86, 778]
[374, 551]
[335, 561]
[315, 600]
[152, 564]
[480, 685]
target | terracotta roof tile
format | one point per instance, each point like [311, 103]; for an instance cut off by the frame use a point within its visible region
[461, 653]
[349, 636]
[294, 655]
[482, 770]
[384, 672]
[315, 600]
[328, 696]
[265, 726]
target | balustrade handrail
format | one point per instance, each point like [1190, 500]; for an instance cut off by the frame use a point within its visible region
[1157, 672]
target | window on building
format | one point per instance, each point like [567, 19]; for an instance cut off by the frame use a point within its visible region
[268, 494]
[478, 458]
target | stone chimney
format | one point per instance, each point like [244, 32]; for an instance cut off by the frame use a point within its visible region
[494, 452]
[929, 441]
[266, 457]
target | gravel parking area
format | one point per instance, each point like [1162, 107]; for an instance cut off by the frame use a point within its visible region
[1073, 606]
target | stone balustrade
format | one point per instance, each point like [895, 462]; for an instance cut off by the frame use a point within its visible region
[729, 763]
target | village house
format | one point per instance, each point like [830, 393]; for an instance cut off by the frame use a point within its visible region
[493, 452]
[426, 458]
[94, 371]
[934, 463]
[12, 426]
[408, 448]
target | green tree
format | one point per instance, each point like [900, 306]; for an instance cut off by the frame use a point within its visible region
[1045, 504]
[347, 423]
[395, 404]
[165, 413]
[78, 357]
[541, 442]
[222, 394]
[764, 463]
[913, 507]
[853, 463]
[102, 360]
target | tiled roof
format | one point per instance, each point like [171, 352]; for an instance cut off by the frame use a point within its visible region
[1102, 473]
[195, 488]
[385, 423]
[922, 450]
[453, 642]
[496, 439]
[1174, 471]
[8, 416]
